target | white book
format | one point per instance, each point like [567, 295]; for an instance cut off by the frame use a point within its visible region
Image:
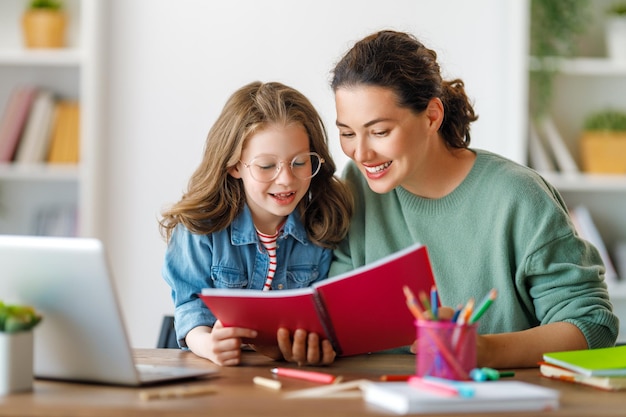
[562, 155]
[33, 146]
[493, 396]
[539, 157]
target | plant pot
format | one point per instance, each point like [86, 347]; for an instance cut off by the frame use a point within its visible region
[616, 38]
[603, 152]
[16, 362]
[44, 28]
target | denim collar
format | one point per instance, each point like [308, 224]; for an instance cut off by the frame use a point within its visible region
[243, 232]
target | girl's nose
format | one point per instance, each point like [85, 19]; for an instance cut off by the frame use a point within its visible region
[285, 176]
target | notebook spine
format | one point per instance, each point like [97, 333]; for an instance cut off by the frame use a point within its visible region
[324, 317]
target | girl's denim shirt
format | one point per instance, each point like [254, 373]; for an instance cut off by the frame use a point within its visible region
[235, 258]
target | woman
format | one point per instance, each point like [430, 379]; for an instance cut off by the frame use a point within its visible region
[487, 221]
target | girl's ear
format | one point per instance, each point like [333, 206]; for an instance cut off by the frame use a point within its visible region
[235, 171]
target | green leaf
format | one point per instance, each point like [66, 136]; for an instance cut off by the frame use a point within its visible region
[14, 318]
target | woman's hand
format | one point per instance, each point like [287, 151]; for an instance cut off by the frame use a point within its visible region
[305, 348]
[219, 344]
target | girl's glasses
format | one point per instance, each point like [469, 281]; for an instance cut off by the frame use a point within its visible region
[266, 168]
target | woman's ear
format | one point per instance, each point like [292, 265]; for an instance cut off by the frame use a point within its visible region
[234, 171]
[435, 112]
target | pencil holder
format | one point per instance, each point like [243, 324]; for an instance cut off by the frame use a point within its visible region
[445, 349]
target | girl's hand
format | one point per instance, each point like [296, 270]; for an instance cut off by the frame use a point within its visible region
[219, 344]
[306, 348]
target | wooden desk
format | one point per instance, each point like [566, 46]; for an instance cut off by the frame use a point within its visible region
[237, 396]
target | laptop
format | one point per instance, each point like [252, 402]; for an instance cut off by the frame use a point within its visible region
[82, 335]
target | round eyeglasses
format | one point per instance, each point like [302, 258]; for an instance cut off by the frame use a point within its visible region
[266, 168]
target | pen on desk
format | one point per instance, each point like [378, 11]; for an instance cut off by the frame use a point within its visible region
[312, 376]
[483, 306]
[395, 377]
[442, 386]
[176, 392]
[267, 383]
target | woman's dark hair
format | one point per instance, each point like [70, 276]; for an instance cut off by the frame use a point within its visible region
[398, 61]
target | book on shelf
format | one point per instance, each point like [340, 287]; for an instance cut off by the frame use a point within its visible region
[361, 311]
[14, 119]
[56, 221]
[538, 155]
[65, 140]
[586, 228]
[611, 383]
[564, 160]
[493, 396]
[610, 361]
[33, 146]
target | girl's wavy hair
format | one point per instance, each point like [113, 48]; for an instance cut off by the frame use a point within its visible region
[214, 198]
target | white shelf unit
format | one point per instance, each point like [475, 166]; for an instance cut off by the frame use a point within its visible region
[584, 85]
[72, 72]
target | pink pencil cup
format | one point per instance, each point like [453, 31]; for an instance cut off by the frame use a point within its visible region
[445, 349]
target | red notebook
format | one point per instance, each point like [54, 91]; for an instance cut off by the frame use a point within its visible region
[361, 311]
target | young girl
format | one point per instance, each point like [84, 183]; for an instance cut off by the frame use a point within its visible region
[487, 221]
[262, 211]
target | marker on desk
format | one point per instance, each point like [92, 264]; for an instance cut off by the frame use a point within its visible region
[312, 376]
[442, 386]
[488, 374]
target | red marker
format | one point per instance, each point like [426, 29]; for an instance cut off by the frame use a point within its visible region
[312, 376]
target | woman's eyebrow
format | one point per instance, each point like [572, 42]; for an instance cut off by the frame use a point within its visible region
[368, 124]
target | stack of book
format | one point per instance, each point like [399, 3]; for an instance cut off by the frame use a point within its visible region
[603, 368]
[37, 127]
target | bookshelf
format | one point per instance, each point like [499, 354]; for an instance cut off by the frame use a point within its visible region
[585, 84]
[31, 193]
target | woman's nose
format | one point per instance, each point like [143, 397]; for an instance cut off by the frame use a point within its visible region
[361, 152]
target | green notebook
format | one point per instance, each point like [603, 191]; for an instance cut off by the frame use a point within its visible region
[591, 362]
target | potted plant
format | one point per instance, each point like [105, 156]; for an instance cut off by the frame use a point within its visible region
[44, 23]
[16, 347]
[555, 28]
[603, 142]
[615, 30]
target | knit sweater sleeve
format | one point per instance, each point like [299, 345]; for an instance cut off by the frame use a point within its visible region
[562, 273]
[565, 281]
